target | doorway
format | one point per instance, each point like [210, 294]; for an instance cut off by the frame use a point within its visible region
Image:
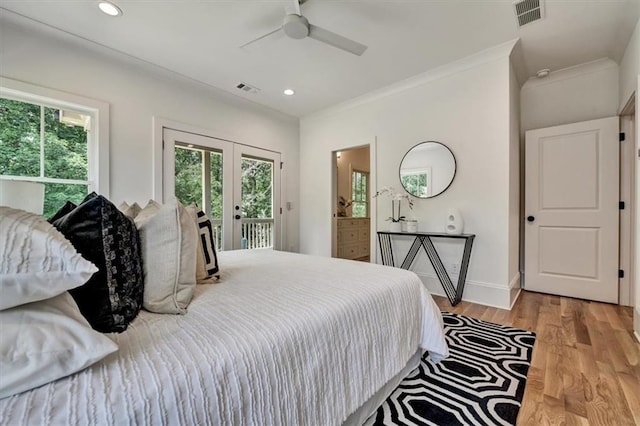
[236, 185]
[351, 195]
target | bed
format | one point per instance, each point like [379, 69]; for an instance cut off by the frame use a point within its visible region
[283, 339]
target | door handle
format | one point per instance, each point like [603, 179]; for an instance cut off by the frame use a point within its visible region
[238, 217]
[530, 218]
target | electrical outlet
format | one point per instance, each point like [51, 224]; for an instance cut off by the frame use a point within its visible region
[455, 268]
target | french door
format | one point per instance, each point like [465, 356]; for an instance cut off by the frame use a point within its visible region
[238, 186]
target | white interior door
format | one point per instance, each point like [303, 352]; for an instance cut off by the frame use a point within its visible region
[571, 203]
[236, 185]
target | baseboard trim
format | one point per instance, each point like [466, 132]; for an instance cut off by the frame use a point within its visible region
[483, 293]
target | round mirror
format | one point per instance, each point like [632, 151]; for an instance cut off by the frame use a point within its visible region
[427, 169]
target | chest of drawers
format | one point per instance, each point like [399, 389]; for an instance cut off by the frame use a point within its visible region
[353, 239]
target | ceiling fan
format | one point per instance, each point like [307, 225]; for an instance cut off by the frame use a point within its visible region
[298, 27]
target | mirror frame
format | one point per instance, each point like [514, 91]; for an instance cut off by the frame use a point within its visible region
[455, 169]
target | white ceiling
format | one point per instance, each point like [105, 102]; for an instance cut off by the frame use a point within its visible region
[201, 38]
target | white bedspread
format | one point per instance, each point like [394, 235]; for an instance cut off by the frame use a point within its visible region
[284, 339]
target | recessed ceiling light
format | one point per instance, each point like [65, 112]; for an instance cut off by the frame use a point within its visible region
[109, 8]
[289, 92]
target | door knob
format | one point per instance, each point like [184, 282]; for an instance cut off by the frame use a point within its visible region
[238, 217]
[531, 218]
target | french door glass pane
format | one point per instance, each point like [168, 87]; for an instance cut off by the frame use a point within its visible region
[257, 203]
[188, 175]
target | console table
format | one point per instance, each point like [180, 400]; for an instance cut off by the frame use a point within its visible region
[423, 239]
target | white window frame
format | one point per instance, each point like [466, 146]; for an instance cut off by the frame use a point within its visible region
[97, 139]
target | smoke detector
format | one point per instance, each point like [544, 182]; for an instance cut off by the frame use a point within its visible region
[247, 88]
[528, 11]
[543, 73]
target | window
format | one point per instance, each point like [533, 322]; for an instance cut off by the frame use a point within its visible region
[417, 182]
[52, 141]
[360, 194]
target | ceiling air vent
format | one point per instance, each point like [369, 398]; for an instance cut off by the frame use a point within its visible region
[528, 11]
[247, 88]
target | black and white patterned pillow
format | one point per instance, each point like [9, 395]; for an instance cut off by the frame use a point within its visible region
[207, 265]
[102, 234]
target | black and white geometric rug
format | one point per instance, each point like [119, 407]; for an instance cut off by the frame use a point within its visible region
[480, 383]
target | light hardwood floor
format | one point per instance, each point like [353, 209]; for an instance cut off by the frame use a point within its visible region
[586, 362]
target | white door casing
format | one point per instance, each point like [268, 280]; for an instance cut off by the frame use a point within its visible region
[572, 194]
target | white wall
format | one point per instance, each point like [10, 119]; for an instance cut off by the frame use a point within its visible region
[515, 215]
[136, 92]
[581, 93]
[630, 68]
[465, 106]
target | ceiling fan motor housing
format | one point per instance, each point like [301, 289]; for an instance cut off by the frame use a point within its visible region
[296, 26]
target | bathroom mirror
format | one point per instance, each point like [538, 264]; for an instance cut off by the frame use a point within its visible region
[427, 169]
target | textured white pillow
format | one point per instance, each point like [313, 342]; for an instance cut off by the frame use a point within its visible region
[36, 261]
[44, 341]
[168, 237]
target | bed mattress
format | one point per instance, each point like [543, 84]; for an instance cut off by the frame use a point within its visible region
[283, 339]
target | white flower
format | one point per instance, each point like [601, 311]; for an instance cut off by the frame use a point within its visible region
[395, 196]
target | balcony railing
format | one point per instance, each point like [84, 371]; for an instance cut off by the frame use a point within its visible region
[258, 232]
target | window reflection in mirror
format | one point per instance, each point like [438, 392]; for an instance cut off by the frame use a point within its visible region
[427, 169]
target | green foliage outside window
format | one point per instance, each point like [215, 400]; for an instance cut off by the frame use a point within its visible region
[359, 194]
[257, 188]
[257, 182]
[415, 184]
[65, 151]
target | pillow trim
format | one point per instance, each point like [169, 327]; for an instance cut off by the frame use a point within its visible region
[176, 281]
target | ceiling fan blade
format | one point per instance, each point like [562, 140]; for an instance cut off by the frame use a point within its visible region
[336, 40]
[273, 35]
[293, 8]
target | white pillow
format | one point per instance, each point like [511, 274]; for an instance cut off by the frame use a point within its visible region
[36, 261]
[168, 237]
[45, 341]
[129, 210]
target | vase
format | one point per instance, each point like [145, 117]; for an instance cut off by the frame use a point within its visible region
[454, 224]
[412, 226]
[395, 227]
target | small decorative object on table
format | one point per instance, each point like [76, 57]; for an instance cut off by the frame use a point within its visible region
[455, 223]
[343, 205]
[395, 225]
[412, 225]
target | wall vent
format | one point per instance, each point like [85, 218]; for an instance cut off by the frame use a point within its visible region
[528, 11]
[247, 88]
